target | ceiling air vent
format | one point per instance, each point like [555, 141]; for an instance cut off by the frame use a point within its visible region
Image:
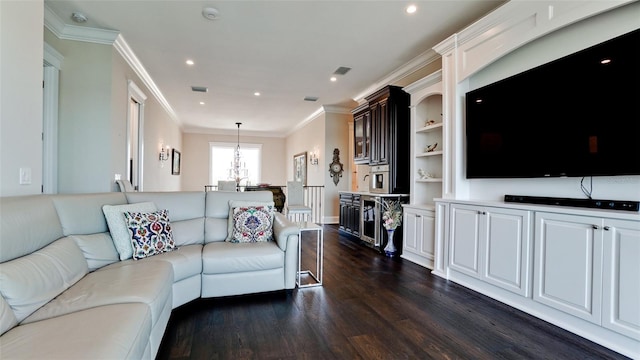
[310, 98]
[342, 70]
[199, 88]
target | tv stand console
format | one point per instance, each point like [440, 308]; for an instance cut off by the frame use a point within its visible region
[586, 203]
[573, 267]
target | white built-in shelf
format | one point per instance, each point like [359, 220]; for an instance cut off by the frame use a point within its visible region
[430, 180]
[436, 126]
[430, 153]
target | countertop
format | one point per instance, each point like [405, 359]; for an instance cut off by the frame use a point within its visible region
[367, 193]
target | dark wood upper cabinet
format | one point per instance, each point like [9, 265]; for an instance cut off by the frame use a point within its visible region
[362, 134]
[386, 116]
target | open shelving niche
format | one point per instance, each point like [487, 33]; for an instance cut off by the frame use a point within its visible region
[426, 105]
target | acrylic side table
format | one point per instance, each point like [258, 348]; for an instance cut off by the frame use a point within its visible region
[306, 226]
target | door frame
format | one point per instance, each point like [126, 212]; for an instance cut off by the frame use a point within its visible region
[134, 93]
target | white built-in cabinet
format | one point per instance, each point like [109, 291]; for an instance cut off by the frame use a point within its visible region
[568, 267]
[492, 244]
[427, 140]
[621, 277]
[418, 235]
[577, 268]
[588, 267]
[427, 153]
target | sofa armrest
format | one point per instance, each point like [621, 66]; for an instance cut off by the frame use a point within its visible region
[284, 231]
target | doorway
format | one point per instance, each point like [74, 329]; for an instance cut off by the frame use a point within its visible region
[135, 138]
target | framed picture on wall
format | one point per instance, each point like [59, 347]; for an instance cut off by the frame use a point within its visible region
[300, 168]
[175, 162]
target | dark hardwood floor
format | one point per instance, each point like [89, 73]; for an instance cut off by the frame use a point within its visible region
[370, 307]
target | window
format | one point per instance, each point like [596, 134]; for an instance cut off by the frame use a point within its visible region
[221, 162]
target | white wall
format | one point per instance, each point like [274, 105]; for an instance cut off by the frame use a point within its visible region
[94, 101]
[329, 130]
[195, 158]
[557, 44]
[159, 127]
[84, 115]
[21, 24]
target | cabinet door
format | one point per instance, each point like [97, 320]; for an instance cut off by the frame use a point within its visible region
[568, 264]
[379, 133]
[506, 252]
[355, 226]
[362, 133]
[621, 277]
[383, 133]
[426, 245]
[465, 235]
[343, 215]
[411, 231]
[374, 155]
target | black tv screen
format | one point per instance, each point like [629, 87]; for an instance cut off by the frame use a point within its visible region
[575, 116]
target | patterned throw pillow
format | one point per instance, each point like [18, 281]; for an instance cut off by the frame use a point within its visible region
[150, 233]
[252, 224]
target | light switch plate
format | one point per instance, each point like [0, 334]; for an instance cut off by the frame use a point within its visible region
[25, 176]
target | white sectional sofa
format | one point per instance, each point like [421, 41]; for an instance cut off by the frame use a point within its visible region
[67, 294]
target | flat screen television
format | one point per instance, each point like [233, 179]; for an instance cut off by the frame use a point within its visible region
[575, 116]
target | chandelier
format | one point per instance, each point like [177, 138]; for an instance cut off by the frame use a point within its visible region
[238, 171]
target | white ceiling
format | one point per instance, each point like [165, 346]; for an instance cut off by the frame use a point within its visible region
[286, 50]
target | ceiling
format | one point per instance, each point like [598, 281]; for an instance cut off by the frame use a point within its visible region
[285, 50]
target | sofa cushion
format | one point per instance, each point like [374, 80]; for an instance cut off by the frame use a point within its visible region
[149, 283]
[187, 232]
[33, 213]
[118, 226]
[225, 257]
[186, 261]
[150, 233]
[87, 207]
[7, 317]
[98, 249]
[118, 331]
[252, 224]
[33, 280]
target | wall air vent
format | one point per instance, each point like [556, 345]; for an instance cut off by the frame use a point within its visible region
[341, 70]
[199, 88]
[310, 98]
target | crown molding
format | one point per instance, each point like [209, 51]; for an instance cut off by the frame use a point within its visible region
[107, 37]
[402, 72]
[130, 57]
[209, 131]
[52, 57]
[77, 33]
[336, 109]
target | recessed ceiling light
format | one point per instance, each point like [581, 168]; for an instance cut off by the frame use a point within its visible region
[605, 61]
[201, 102]
[333, 79]
[189, 62]
[256, 93]
[411, 9]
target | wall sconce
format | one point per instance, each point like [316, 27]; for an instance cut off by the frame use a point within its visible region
[164, 155]
[313, 158]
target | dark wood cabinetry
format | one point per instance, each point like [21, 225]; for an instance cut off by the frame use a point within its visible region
[362, 134]
[350, 213]
[390, 134]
